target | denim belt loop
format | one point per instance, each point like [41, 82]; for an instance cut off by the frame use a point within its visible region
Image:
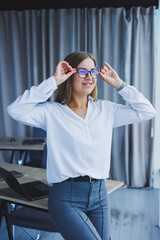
[90, 180]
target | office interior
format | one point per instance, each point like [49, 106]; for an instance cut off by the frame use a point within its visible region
[34, 37]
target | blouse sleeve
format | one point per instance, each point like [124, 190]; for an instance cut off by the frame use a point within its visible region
[30, 108]
[138, 108]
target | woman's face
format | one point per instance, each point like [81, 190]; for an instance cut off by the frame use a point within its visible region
[84, 86]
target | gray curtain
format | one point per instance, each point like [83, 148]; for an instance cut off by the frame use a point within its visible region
[33, 41]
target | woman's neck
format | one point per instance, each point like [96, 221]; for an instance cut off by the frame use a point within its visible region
[78, 102]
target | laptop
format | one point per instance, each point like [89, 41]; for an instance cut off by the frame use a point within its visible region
[32, 190]
[15, 173]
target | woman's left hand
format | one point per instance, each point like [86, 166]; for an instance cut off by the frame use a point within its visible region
[109, 75]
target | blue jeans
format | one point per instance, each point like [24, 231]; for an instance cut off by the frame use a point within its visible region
[80, 210]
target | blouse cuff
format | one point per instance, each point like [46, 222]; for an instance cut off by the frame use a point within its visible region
[122, 86]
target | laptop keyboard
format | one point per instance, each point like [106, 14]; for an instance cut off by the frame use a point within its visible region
[36, 188]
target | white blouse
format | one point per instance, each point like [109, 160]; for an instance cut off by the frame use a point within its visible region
[76, 146]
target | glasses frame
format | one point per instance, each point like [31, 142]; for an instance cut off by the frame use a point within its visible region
[87, 72]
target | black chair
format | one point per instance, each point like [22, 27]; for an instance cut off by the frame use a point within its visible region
[37, 158]
[26, 217]
[31, 218]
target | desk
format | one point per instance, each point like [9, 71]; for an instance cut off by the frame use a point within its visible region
[32, 174]
[16, 144]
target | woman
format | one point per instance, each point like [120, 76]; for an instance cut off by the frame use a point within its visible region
[79, 133]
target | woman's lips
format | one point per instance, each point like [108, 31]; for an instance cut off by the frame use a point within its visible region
[87, 84]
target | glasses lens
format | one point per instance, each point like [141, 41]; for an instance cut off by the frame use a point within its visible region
[94, 73]
[82, 73]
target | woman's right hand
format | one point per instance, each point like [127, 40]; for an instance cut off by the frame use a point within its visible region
[62, 72]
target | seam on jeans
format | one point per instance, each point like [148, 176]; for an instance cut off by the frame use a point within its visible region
[79, 213]
[89, 196]
[86, 223]
[100, 188]
[71, 195]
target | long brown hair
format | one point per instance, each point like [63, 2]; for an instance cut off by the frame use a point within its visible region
[64, 93]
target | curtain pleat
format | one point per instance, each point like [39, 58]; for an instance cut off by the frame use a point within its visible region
[32, 42]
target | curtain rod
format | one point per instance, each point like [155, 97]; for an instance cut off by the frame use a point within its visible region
[49, 4]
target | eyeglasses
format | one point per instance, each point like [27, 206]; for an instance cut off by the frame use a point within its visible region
[82, 72]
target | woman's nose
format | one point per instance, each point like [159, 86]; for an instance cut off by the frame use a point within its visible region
[89, 76]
